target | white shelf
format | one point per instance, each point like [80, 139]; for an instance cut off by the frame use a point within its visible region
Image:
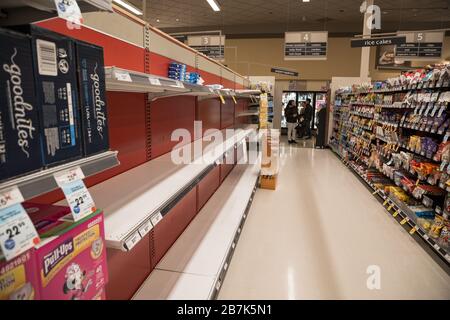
[175, 286]
[157, 87]
[130, 200]
[246, 114]
[205, 247]
[41, 182]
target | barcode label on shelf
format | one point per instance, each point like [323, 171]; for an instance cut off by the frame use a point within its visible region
[156, 218]
[123, 76]
[155, 81]
[130, 243]
[426, 237]
[146, 228]
[178, 84]
[46, 56]
[10, 197]
[436, 246]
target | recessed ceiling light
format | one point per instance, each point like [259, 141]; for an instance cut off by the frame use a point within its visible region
[157, 20]
[177, 19]
[214, 5]
[129, 7]
[305, 0]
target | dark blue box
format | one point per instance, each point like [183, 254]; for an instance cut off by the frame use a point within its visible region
[55, 74]
[20, 148]
[92, 90]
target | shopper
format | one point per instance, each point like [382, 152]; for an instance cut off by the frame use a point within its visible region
[308, 118]
[291, 113]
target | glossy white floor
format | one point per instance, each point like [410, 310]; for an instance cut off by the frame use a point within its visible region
[316, 235]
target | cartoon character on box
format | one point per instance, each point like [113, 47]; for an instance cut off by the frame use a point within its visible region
[77, 283]
[73, 265]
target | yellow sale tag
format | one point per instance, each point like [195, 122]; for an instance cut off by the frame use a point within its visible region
[417, 182]
[396, 213]
[390, 207]
[414, 230]
[234, 99]
[385, 203]
[221, 98]
[376, 191]
[404, 221]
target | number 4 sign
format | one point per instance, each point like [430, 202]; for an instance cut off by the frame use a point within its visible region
[17, 232]
[77, 195]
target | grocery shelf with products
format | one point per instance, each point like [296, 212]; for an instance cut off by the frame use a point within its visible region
[394, 134]
[115, 177]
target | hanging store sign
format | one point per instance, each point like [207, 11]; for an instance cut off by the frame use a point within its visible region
[211, 46]
[375, 42]
[284, 72]
[421, 45]
[305, 45]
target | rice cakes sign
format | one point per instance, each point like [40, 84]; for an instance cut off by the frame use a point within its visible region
[211, 46]
[305, 45]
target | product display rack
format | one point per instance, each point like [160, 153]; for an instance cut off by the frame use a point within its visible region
[156, 186]
[196, 265]
[368, 143]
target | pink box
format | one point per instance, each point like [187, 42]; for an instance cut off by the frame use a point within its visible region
[18, 278]
[73, 265]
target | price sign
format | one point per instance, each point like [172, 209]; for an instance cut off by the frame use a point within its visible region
[234, 99]
[17, 232]
[221, 97]
[154, 81]
[156, 218]
[414, 230]
[123, 76]
[77, 195]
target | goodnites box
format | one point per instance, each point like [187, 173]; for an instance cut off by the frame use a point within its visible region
[56, 87]
[92, 90]
[19, 124]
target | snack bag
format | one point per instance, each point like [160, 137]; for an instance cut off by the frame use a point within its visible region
[435, 230]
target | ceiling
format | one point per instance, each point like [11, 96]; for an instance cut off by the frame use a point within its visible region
[241, 18]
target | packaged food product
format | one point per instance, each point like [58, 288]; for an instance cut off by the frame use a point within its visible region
[438, 224]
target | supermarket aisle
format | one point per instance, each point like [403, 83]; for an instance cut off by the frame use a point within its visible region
[315, 237]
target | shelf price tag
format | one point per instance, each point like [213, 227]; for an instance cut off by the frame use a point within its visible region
[234, 99]
[77, 195]
[222, 99]
[156, 218]
[123, 76]
[414, 230]
[17, 232]
[404, 221]
[154, 81]
[385, 202]
[396, 214]
[70, 11]
[146, 228]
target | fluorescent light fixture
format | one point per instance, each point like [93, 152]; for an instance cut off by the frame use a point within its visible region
[129, 7]
[214, 5]
[305, 0]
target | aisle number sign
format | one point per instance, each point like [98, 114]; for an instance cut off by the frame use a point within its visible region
[211, 46]
[17, 232]
[421, 45]
[77, 195]
[305, 45]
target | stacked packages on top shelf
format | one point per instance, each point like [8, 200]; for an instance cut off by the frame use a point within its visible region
[396, 133]
[263, 111]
